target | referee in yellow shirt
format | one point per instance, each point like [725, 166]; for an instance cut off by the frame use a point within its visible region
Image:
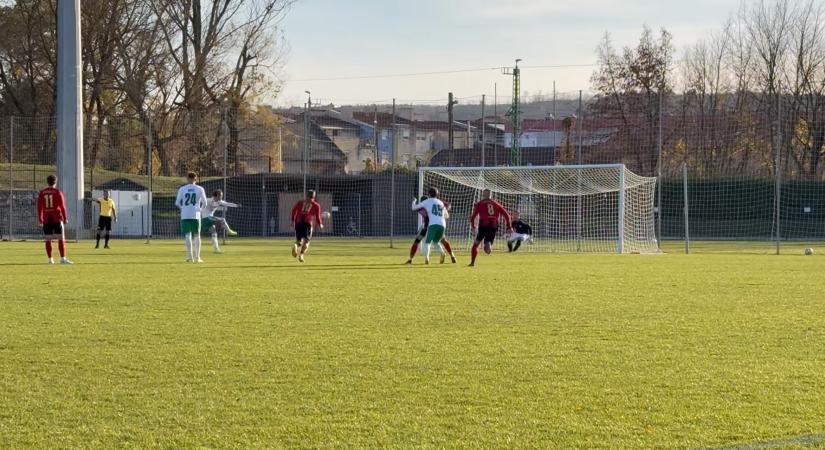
[108, 212]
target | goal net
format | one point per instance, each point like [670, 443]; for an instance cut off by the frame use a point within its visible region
[589, 208]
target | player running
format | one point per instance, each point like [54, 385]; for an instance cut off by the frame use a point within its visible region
[108, 212]
[52, 216]
[437, 223]
[489, 213]
[422, 233]
[191, 200]
[521, 232]
[304, 213]
[214, 224]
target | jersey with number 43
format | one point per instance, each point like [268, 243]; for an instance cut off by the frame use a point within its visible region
[436, 211]
[191, 200]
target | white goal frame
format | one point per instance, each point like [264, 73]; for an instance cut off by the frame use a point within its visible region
[621, 186]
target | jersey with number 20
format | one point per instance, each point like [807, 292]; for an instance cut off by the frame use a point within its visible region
[435, 211]
[191, 200]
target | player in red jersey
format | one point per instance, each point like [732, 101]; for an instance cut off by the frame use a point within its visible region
[51, 216]
[304, 213]
[422, 233]
[489, 213]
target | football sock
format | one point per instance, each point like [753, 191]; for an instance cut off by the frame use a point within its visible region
[106, 240]
[215, 244]
[414, 249]
[473, 253]
[196, 248]
[447, 246]
[518, 244]
[61, 247]
[426, 251]
[97, 239]
[49, 249]
[187, 241]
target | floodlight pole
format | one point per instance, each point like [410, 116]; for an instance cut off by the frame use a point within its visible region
[70, 112]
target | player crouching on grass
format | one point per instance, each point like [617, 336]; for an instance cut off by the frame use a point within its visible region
[422, 233]
[303, 214]
[437, 219]
[489, 213]
[52, 216]
[521, 232]
[214, 224]
[108, 213]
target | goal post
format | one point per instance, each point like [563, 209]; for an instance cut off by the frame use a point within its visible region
[599, 208]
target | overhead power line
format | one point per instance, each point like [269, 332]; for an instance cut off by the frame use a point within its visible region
[439, 72]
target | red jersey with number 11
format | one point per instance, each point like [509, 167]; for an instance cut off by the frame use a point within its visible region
[51, 206]
[489, 212]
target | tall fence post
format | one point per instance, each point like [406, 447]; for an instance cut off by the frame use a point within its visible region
[11, 178]
[150, 139]
[686, 208]
[778, 170]
[579, 162]
[659, 145]
[392, 178]
[225, 162]
[483, 132]
[304, 157]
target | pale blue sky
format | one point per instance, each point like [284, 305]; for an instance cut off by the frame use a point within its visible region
[339, 38]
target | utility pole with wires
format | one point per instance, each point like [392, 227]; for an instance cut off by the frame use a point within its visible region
[515, 113]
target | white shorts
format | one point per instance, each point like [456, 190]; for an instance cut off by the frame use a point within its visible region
[519, 237]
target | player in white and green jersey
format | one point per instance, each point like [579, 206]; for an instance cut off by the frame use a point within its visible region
[191, 200]
[212, 223]
[437, 214]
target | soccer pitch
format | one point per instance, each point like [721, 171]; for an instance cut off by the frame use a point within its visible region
[131, 347]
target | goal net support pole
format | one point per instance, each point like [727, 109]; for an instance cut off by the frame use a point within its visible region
[601, 208]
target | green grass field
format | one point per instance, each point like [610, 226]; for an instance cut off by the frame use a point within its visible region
[133, 348]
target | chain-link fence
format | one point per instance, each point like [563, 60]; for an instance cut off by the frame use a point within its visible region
[741, 175]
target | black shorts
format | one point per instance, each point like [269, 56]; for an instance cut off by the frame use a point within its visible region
[487, 234]
[104, 223]
[52, 228]
[303, 231]
[422, 233]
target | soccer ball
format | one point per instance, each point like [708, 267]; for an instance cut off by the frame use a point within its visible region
[809, 251]
[326, 215]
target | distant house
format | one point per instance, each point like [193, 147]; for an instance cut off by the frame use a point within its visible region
[376, 132]
[552, 133]
[323, 156]
[346, 134]
[415, 141]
